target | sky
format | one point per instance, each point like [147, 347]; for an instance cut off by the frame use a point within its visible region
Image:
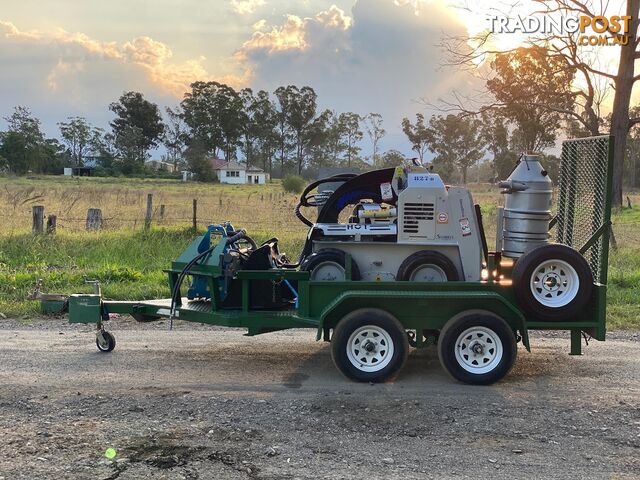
[65, 58]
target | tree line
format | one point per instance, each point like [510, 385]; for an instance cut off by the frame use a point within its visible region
[284, 132]
[532, 103]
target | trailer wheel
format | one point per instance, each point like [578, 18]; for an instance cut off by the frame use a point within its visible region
[105, 341]
[428, 266]
[369, 345]
[477, 348]
[552, 282]
[328, 264]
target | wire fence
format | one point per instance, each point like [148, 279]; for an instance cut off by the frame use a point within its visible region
[264, 210]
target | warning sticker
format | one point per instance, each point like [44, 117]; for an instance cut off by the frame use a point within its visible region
[465, 227]
[386, 191]
[443, 217]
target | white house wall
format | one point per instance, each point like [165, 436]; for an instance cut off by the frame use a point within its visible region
[242, 178]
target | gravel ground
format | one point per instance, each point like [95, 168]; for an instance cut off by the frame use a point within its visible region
[207, 403]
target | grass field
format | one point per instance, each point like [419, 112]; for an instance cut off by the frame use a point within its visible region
[129, 261]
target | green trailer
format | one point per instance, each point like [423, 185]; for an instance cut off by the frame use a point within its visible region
[371, 323]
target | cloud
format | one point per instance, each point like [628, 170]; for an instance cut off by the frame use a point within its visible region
[76, 50]
[380, 57]
[293, 33]
[244, 7]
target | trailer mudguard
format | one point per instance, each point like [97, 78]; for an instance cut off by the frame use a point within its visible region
[407, 307]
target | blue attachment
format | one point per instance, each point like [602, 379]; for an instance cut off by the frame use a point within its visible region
[199, 284]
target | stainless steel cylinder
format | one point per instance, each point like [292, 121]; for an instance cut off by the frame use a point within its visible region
[527, 207]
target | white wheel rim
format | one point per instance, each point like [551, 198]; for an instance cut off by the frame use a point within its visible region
[103, 343]
[478, 350]
[428, 273]
[328, 272]
[554, 283]
[370, 348]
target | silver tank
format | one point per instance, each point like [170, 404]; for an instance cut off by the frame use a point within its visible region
[527, 207]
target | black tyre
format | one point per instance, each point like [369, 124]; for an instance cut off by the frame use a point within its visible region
[369, 345]
[428, 266]
[328, 264]
[477, 348]
[105, 341]
[552, 282]
[144, 318]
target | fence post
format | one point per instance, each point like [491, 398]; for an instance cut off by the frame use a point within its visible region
[38, 218]
[94, 219]
[51, 224]
[147, 217]
[195, 215]
[162, 213]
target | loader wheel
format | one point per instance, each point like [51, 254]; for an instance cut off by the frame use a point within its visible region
[552, 282]
[428, 266]
[369, 345]
[477, 348]
[105, 341]
[328, 264]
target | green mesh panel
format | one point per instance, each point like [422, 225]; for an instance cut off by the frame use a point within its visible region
[583, 204]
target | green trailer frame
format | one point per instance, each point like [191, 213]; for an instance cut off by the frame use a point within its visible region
[583, 221]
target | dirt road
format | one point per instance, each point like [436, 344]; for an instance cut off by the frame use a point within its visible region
[199, 403]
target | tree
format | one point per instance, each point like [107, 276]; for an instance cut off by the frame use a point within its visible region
[232, 119]
[23, 122]
[392, 158]
[457, 142]
[198, 163]
[373, 126]
[350, 134]
[128, 142]
[79, 137]
[527, 79]
[495, 135]
[324, 142]
[265, 120]
[214, 113]
[418, 134]
[16, 151]
[137, 127]
[298, 107]
[632, 154]
[23, 146]
[174, 136]
[595, 83]
[283, 130]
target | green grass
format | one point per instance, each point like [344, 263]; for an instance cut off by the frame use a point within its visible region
[127, 263]
[623, 307]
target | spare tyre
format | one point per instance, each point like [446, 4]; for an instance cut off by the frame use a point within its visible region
[552, 282]
[329, 264]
